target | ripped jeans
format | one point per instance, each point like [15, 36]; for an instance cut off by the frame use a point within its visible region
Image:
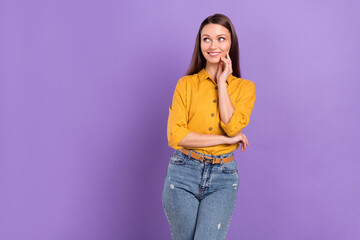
[199, 198]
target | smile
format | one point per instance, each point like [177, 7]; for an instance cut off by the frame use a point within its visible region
[213, 54]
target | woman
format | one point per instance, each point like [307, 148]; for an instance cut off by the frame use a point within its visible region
[210, 107]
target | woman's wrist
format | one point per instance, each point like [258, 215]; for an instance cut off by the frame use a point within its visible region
[221, 85]
[227, 140]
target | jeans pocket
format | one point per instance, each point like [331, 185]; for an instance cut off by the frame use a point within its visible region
[229, 167]
[178, 158]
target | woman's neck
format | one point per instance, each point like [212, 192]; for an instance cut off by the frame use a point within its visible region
[211, 69]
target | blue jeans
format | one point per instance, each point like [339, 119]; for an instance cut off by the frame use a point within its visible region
[199, 198]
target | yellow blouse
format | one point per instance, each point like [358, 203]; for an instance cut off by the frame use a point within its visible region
[195, 108]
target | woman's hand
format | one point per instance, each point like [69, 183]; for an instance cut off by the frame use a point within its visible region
[240, 137]
[224, 72]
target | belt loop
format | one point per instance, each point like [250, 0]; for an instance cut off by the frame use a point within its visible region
[221, 157]
[190, 153]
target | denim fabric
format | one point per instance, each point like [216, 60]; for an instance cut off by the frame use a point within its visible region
[199, 198]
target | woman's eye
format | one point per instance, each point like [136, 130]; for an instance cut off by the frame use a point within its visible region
[205, 39]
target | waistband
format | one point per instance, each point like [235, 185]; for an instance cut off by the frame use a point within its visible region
[211, 156]
[213, 159]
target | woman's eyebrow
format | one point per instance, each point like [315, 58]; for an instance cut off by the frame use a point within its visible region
[216, 35]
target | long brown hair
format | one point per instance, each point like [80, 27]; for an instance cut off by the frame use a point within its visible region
[198, 61]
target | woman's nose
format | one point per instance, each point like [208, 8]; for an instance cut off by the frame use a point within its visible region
[213, 44]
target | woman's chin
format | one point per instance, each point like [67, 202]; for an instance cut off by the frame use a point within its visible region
[213, 61]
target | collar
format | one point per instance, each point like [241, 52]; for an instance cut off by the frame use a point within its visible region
[203, 75]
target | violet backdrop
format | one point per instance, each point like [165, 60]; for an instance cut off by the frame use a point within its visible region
[85, 90]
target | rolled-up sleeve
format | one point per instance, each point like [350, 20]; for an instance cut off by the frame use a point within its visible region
[243, 108]
[178, 117]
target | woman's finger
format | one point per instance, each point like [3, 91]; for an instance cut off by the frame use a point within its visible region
[220, 69]
[230, 62]
[230, 66]
[247, 141]
[224, 60]
[227, 65]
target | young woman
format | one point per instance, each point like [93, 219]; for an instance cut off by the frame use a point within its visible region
[210, 106]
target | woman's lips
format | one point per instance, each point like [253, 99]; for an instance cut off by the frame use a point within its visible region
[213, 54]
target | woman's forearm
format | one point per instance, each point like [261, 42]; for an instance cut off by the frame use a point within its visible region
[194, 139]
[225, 104]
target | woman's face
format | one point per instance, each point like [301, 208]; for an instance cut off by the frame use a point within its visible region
[215, 41]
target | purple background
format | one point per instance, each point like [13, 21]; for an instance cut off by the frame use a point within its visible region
[85, 90]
